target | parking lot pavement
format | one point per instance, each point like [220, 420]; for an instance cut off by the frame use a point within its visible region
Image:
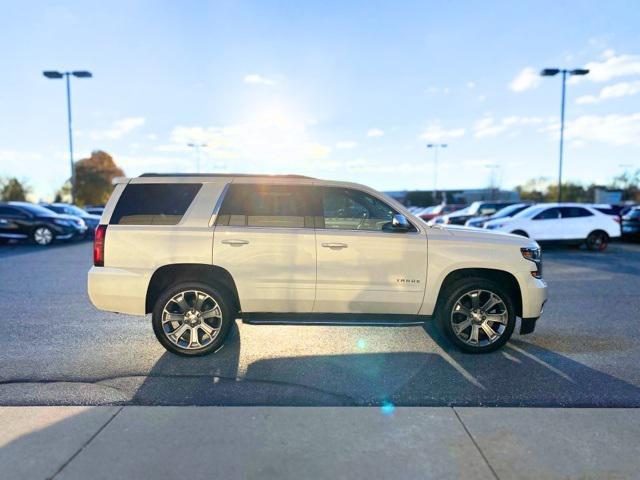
[58, 350]
[311, 442]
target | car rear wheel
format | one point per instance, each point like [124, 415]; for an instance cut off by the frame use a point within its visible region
[42, 235]
[192, 319]
[477, 315]
[597, 241]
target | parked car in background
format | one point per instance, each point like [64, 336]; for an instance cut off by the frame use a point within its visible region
[92, 221]
[572, 223]
[476, 209]
[23, 220]
[505, 212]
[437, 210]
[631, 223]
[94, 209]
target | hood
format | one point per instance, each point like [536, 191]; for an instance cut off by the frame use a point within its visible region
[458, 232]
[72, 218]
[499, 221]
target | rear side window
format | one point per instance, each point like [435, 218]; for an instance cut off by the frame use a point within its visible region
[261, 205]
[575, 212]
[154, 203]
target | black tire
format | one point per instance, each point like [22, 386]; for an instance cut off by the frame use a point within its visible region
[42, 235]
[521, 233]
[597, 241]
[221, 297]
[458, 289]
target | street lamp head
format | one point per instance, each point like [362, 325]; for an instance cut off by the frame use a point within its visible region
[52, 74]
[81, 74]
[549, 72]
[579, 71]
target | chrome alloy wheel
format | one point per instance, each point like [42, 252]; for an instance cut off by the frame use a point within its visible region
[191, 319]
[43, 236]
[479, 318]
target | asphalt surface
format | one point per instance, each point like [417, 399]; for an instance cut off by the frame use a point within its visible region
[57, 349]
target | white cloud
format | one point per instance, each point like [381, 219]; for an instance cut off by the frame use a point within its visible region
[346, 144]
[613, 129]
[527, 79]
[471, 85]
[118, 129]
[435, 133]
[255, 79]
[618, 90]
[612, 66]
[375, 132]
[490, 127]
[272, 140]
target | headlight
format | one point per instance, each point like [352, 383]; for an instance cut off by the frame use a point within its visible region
[534, 255]
[494, 226]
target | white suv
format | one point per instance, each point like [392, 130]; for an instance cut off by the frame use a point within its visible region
[199, 251]
[562, 222]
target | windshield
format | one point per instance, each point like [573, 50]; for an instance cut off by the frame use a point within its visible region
[36, 209]
[70, 210]
[509, 211]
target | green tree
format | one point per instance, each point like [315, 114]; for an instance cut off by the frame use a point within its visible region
[14, 190]
[94, 177]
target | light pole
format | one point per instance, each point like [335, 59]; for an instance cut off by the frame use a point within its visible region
[197, 147]
[436, 147]
[55, 75]
[550, 72]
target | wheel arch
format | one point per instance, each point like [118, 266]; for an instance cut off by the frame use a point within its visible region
[175, 273]
[504, 278]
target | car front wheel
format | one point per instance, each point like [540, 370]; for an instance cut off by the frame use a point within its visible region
[477, 315]
[192, 319]
[42, 235]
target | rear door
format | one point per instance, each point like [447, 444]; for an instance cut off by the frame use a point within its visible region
[577, 222]
[363, 267]
[264, 237]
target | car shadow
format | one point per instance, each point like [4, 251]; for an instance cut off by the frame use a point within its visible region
[520, 374]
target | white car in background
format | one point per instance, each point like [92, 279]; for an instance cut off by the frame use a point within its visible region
[561, 222]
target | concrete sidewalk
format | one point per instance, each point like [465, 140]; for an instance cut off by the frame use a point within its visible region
[323, 442]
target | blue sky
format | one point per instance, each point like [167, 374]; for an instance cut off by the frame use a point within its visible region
[341, 90]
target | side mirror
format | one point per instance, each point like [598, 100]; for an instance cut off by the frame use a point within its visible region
[398, 223]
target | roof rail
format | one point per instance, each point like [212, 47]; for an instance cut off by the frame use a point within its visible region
[221, 175]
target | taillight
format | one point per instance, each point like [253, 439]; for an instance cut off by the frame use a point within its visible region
[98, 246]
[617, 219]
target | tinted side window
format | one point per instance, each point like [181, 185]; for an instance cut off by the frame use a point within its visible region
[154, 203]
[260, 205]
[7, 211]
[548, 214]
[347, 209]
[574, 212]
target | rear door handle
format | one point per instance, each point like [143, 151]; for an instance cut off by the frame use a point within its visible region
[235, 242]
[335, 246]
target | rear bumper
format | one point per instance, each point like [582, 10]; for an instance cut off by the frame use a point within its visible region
[118, 290]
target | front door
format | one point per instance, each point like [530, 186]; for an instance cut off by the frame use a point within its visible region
[363, 266]
[547, 225]
[264, 237]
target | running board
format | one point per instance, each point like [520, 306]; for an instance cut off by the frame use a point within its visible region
[342, 319]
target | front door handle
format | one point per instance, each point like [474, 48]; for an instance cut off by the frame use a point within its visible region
[335, 246]
[235, 242]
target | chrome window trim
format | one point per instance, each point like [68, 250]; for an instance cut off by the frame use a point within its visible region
[218, 205]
